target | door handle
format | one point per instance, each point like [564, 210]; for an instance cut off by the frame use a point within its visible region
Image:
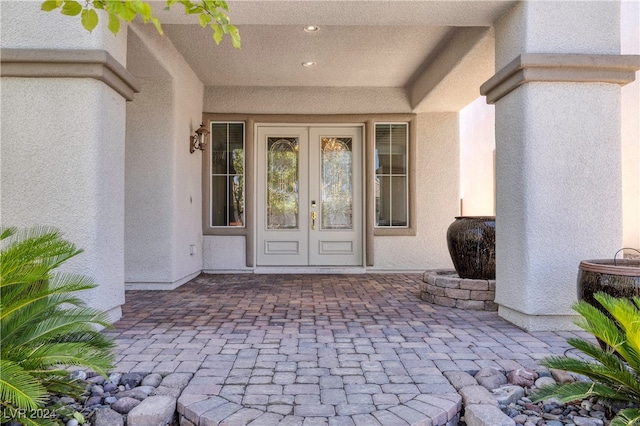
[313, 221]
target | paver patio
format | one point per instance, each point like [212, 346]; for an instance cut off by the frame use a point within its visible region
[317, 349]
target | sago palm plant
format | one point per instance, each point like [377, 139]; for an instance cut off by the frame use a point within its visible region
[615, 371]
[44, 327]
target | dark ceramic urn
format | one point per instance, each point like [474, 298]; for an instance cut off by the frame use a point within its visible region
[618, 278]
[472, 246]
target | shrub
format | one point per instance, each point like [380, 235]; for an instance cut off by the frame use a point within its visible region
[44, 327]
[614, 371]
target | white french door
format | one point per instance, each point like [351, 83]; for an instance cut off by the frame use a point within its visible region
[309, 196]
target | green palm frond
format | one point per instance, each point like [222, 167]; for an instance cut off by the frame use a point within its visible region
[615, 372]
[18, 388]
[44, 326]
[576, 391]
[627, 417]
[626, 316]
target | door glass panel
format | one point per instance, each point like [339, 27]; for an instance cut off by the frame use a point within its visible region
[282, 183]
[337, 183]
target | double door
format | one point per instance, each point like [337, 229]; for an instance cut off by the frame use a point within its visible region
[309, 196]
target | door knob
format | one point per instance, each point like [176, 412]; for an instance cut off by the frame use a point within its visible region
[313, 221]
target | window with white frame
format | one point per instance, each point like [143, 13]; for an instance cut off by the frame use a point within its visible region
[227, 174]
[391, 185]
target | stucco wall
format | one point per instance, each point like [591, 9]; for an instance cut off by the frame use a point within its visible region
[25, 26]
[224, 253]
[437, 199]
[67, 171]
[477, 148]
[63, 149]
[630, 44]
[164, 201]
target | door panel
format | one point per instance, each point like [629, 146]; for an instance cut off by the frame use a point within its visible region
[309, 196]
[336, 183]
[282, 219]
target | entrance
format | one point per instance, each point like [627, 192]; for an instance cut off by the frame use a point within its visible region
[309, 196]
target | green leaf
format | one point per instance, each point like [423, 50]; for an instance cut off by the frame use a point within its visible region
[79, 417]
[235, 36]
[114, 23]
[156, 23]
[71, 8]
[217, 33]
[89, 19]
[204, 19]
[49, 5]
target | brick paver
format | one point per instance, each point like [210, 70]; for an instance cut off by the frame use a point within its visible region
[317, 349]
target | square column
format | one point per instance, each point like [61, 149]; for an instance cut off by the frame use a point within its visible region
[558, 153]
[64, 94]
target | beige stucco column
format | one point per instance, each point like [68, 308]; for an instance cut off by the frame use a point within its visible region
[63, 130]
[558, 152]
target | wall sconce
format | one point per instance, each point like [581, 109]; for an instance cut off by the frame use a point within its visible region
[198, 140]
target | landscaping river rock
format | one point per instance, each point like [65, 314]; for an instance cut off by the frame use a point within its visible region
[492, 398]
[132, 399]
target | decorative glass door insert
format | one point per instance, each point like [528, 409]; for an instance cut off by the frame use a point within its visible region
[337, 183]
[282, 183]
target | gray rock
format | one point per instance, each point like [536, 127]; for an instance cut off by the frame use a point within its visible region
[177, 380]
[97, 390]
[110, 400]
[115, 378]
[132, 393]
[587, 421]
[131, 379]
[96, 380]
[124, 405]
[66, 400]
[79, 375]
[152, 380]
[109, 387]
[508, 394]
[522, 377]
[71, 422]
[94, 400]
[153, 411]
[490, 378]
[554, 423]
[485, 415]
[472, 395]
[107, 417]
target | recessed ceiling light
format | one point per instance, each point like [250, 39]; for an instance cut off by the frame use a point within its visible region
[311, 28]
[309, 64]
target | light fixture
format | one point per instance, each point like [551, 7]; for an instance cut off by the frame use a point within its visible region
[311, 29]
[198, 140]
[309, 64]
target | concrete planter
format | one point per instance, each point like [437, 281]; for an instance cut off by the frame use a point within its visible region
[472, 246]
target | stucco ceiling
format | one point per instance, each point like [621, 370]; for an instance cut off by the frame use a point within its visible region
[368, 43]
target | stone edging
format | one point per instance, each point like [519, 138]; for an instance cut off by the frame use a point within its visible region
[65, 63]
[444, 287]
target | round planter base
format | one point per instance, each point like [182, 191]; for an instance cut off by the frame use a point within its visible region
[443, 287]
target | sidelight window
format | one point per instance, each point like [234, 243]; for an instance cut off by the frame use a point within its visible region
[391, 185]
[227, 166]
